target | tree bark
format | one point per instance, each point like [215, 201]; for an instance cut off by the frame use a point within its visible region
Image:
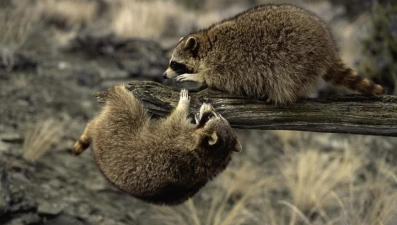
[355, 114]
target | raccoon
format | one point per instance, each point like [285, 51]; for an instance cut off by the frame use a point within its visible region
[278, 52]
[163, 161]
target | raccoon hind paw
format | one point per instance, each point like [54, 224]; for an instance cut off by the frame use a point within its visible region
[79, 147]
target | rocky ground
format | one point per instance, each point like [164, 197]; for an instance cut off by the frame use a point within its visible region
[60, 188]
[47, 97]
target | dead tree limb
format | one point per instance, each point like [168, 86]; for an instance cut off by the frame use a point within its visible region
[356, 114]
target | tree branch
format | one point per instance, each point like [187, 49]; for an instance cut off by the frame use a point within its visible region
[356, 114]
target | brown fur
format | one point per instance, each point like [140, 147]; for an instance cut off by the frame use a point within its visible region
[162, 161]
[279, 52]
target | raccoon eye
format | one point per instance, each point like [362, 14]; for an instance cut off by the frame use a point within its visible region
[179, 67]
[206, 117]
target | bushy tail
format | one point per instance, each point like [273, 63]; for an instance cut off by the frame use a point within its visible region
[341, 75]
[122, 111]
[124, 108]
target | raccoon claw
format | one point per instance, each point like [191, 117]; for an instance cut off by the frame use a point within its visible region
[184, 99]
[182, 78]
[184, 93]
[179, 79]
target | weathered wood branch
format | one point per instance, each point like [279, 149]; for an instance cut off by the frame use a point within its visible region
[354, 114]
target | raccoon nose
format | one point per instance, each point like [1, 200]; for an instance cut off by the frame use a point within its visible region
[165, 75]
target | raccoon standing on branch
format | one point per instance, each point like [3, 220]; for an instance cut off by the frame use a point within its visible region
[274, 52]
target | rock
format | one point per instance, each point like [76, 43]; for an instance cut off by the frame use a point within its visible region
[88, 78]
[4, 192]
[20, 203]
[25, 219]
[46, 208]
[64, 219]
[354, 7]
[4, 146]
[140, 58]
[11, 138]
[17, 206]
[14, 61]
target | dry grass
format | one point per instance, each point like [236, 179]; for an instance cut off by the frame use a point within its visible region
[239, 186]
[311, 176]
[67, 13]
[16, 26]
[41, 137]
[372, 201]
[305, 186]
[150, 19]
[164, 20]
[155, 19]
[332, 187]
[126, 18]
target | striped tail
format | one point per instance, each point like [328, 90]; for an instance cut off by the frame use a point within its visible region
[344, 76]
[84, 141]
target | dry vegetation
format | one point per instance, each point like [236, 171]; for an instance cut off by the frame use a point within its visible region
[306, 185]
[156, 19]
[148, 19]
[16, 27]
[41, 138]
[68, 13]
[125, 18]
[226, 201]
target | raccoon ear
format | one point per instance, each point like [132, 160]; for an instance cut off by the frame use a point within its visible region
[213, 139]
[191, 44]
[238, 147]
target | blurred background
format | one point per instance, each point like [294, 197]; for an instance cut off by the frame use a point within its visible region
[55, 54]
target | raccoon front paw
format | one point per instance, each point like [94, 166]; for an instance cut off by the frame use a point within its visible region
[181, 78]
[184, 99]
[193, 77]
[187, 77]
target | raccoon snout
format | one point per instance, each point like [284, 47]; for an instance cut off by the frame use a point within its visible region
[165, 75]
